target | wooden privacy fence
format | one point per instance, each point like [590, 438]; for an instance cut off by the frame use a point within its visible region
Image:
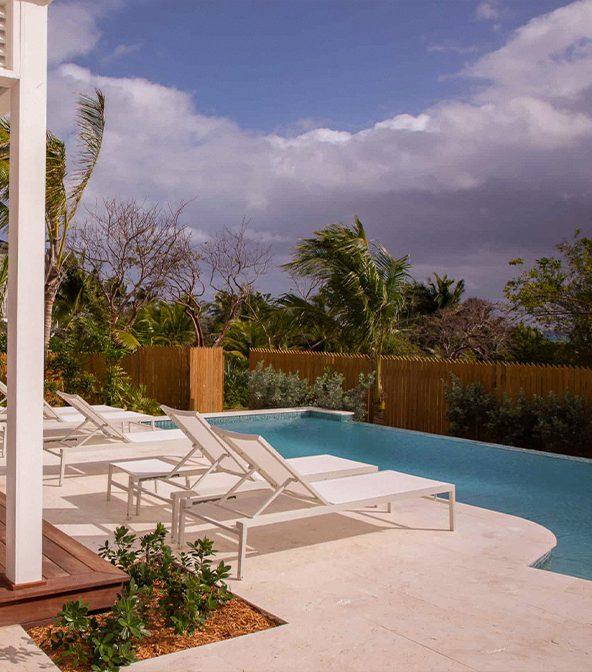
[414, 386]
[181, 377]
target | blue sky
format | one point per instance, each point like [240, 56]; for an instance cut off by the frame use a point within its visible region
[287, 65]
[460, 132]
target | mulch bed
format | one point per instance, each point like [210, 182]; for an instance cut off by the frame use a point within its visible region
[233, 619]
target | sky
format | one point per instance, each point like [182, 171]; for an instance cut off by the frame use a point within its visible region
[459, 131]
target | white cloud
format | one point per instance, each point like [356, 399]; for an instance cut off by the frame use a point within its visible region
[489, 11]
[550, 57]
[122, 50]
[73, 28]
[451, 47]
[466, 183]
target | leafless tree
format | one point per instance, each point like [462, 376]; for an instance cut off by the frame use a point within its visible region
[234, 263]
[187, 289]
[473, 328]
[133, 252]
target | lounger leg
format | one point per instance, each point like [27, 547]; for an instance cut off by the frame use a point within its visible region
[130, 496]
[181, 522]
[242, 549]
[138, 498]
[62, 466]
[390, 507]
[109, 482]
[451, 501]
[173, 518]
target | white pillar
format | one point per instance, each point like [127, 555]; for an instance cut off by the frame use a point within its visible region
[26, 246]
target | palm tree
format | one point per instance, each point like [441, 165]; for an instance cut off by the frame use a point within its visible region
[161, 323]
[439, 293]
[364, 285]
[64, 191]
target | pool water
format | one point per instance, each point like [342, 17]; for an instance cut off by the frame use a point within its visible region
[553, 491]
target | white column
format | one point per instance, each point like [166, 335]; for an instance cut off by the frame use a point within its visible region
[26, 245]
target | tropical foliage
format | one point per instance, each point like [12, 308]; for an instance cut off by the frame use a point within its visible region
[363, 287]
[556, 294]
[175, 593]
[269, 388]
[543, 422]
[66, 182]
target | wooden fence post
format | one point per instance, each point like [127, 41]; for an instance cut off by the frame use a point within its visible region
[206, 379]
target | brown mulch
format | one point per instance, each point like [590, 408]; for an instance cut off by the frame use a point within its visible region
[233, 619]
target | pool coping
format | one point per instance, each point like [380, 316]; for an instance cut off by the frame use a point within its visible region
[342, 416]
[349, 416]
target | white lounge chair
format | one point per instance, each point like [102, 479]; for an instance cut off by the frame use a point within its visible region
[68, 413]
[48, 411]
[95, 424]
[283, 480]
[217, 456]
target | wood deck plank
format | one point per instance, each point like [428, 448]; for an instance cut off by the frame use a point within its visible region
[70, 571]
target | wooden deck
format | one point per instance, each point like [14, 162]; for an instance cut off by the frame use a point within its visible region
[70, 571]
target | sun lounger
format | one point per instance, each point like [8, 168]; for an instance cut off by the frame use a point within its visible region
[217, 455]
[95, 424]
[317, 498]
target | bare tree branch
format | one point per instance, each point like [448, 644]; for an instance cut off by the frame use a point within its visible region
[134, 252]
[235, 263]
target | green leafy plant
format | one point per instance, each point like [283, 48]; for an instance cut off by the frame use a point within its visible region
[119, 390]
[269, 388]
[468, 408]
[563, 424]
[554, 423]
[328, 391]
[185, 591]
[512, 421]
[236, 383]
[106, 643]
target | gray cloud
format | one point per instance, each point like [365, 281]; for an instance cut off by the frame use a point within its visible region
[462, 187]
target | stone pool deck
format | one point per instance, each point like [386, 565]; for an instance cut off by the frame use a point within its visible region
[358, 592]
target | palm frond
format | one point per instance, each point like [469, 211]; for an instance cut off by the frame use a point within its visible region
[91, 126]
[55, 192]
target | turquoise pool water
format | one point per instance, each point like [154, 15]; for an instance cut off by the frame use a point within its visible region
[553, 491]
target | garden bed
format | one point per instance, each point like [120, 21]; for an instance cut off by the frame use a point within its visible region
[235, 618]
[170, 604]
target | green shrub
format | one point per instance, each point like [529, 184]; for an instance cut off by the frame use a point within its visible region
[236, 384]
[105, 644]
[468, 409]
[269, 388]
[119, 390]
[563, 424]
[512, 420]
[556, 424]
[184, 592]
[328, 391]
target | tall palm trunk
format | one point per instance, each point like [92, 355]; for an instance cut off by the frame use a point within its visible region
[51, 290]
[378, 392]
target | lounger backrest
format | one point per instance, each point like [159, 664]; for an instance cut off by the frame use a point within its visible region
[269, 463]
[199, 431]
[92, 416]
[48, 411]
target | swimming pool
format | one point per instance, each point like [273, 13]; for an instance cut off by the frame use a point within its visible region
[553, 491]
